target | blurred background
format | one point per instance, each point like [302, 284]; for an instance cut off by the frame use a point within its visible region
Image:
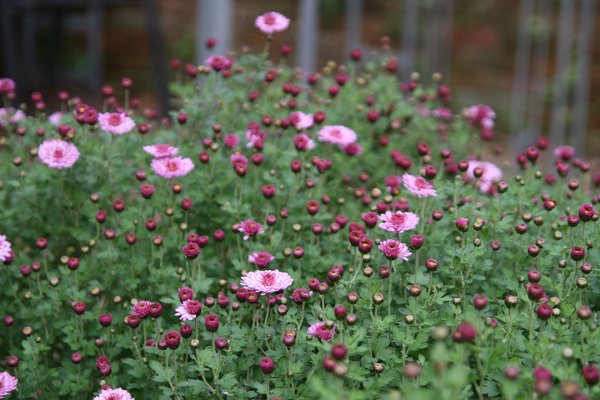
[535, 62]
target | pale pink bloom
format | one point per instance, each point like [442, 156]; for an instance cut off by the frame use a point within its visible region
[481, 115]
[55, 118]
[392, 182]
[269, 281]
[319, 330]
[491, 174]
[231, 140]
[272, 22]
[393, 249]
[487, 123]
[142, 308]
[172, 167]
[253, 136]
[161, 150]
[117, 123]
[564, 152]
[188, 310]
[250, 228]
[303, 142]
[219, 63]
[114, 394]
[301, 120]
[418, 186]
[239, 159]
[261, 259]
[57, 153]
[5, 249]
[8, 383]
[442, 113]
[337, 134]
[422, 110]
[398, 221]
[11, 116]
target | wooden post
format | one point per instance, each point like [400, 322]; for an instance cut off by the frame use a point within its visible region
[431, 39]
[446, 40]
[213, 19]
[537, 107]
[354, 17]
[581, 96]
[95, 51]
[521, 75]
[307, 43]
[563, 59]
[409, 38]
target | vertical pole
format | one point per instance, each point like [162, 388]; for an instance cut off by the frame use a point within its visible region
[307, 48]
[521, 75]
[354, 17]
[29, 31]
[540, 56]
[409, 37]
[95, 19]
[559, 87]
[213, 19]
[159, 62]
[581, 96]
[431, 38]
[9, 44]
[446, 40]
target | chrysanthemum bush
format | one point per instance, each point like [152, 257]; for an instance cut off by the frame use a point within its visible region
[336, 234]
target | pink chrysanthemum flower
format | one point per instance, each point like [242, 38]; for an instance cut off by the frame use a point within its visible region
[303, 142]
[250, 228]
[231, 140]
[272, 22]
[238, 159]
[398, 221]
[5, 249]
[442, 113]
[301, 295]
[185, 293]
[188, 310]
[254, 136]
[564, 152]
[491, 174]
[394, 249]
[142, 308]
[265, 282]
[219, 63]
[8, 383]
[481, 115]
[55, 118]
[337, 134]
[319, 330]
[161, 150]
[301, 120]
[115, 123]
[114, 394]
[418, 186]
[7, 85]
[172, 167]
[261, 259]
[57, 153]
[11, 116]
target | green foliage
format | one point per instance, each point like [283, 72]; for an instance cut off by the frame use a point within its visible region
[401, 347]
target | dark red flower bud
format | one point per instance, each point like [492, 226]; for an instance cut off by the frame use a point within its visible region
[267, 365]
